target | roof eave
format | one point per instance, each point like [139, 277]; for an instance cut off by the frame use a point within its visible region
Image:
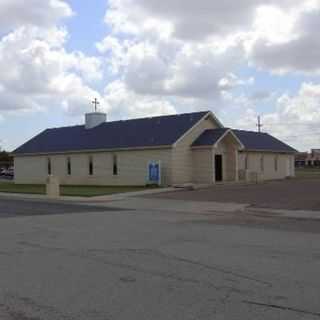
[270, 151]
[206, 146]
[91, 151]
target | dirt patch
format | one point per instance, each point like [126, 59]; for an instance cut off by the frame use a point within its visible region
[293, 194]
[258, 221]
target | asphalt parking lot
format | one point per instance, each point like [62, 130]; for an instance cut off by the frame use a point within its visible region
[294, 194]
[153, 264]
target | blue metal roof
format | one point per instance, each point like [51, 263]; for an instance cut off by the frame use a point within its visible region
[146, 132]
[261, 141]
[209, 137]
[250, 139]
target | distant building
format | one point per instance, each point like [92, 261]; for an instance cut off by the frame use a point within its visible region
[191, 148]
[306, 159]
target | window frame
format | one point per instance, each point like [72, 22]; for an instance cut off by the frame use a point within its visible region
[115, 166]
[276, 163]
[49, 166]
[246, 162]
[262, 163]
[69, 166]
[91, 166]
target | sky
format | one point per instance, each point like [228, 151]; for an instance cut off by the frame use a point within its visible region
[238, 59]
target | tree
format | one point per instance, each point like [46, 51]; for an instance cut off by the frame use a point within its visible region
[5, 159]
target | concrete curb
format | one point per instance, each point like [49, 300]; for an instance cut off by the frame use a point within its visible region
[24, 195]
[121, 196]
[293, 214]
[103, 198]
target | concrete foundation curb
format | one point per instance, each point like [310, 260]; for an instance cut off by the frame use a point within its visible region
[294, 214]
[103, 198]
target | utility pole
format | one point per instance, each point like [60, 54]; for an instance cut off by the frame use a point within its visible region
[259, 124]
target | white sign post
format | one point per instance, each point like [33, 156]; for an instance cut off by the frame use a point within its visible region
[53, 187]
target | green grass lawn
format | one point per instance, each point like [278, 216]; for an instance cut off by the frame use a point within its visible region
[80, 191]
[308, 172]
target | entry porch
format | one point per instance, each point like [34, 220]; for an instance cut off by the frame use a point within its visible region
[215, 156]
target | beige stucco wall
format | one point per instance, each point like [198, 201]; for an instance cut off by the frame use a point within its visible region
[182, 159]
[203, 168]
[132, 167]
[285, 164]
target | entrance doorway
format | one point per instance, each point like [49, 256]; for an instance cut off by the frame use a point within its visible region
[218, 167]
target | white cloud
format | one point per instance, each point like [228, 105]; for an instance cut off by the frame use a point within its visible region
[231, 81]
[186, 54]
[162, 50]
[37, 72]
[35, 66]
[164, 57]
[261, 95]
[274, 35]
[14, 13]
[150, 61]
[292, 45]
[188, 20]
[124, 103]
[295, 119]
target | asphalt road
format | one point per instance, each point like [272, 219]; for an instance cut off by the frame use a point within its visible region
[18, 208]
[153, 265]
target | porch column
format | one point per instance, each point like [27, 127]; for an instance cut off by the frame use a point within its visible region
[213, 165]
[236, 156]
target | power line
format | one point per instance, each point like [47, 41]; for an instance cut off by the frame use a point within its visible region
[300, 134]
[290, 124]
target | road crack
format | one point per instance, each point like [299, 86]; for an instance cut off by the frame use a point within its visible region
[281, 307]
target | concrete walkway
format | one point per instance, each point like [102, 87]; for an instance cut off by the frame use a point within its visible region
[185, 206]
[204, 207]
[135, 200]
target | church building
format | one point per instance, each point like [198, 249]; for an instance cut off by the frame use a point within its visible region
[189, 148]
